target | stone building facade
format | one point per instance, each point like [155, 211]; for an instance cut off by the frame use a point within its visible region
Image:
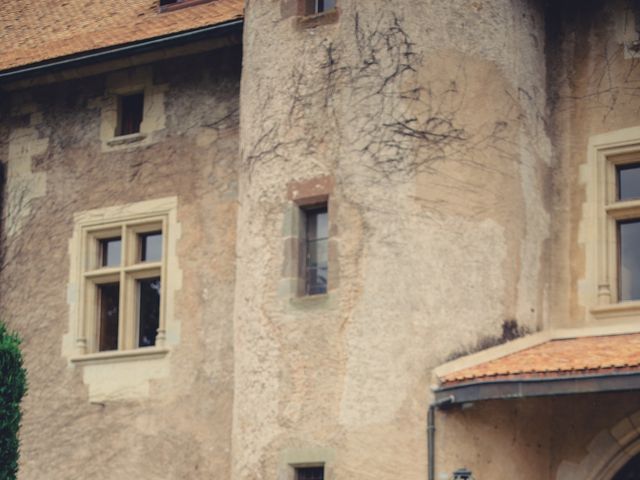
[470, 297]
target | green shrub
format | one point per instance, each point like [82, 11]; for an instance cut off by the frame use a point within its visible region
[13, 385]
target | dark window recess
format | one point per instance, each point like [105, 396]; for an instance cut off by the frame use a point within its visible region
[151, 247]
[324, 5]
[148, 311]
[316, 249]
[629, 260]
[108, 305]
[628, 181]
[631, 471]
[310, 473]
[131, 111]
[110, 252]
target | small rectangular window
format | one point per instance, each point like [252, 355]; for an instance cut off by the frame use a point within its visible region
[151, 247]
[110, 252]
[316, 268]
[324, 5]
[109, 307]
[629, 260]
[628, 181]
[148, 311]
[310, 473]
[131, 109]
[314, 7]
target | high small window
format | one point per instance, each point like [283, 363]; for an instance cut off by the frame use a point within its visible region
[316, 245]
[324, 5]
[123, 285]
[130, 113]
[314, 7]
[310, 473]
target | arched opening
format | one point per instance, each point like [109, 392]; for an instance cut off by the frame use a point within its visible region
[631, 471]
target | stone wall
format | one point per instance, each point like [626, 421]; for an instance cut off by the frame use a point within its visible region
[179, 424]
[430, 119]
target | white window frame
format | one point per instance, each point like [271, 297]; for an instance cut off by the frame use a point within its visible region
[606, 152]
[126, 221]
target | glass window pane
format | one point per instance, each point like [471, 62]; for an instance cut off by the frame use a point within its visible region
[317, 253]
[131, 112]
[317, 223]
[629, 252]
[151, 247]
[628, 181]
[329, 4]
[108, 305]
[110, 252]
[149, 311]
[310, 473]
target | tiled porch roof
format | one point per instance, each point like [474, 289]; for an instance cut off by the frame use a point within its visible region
[36, 31]
[561, 358]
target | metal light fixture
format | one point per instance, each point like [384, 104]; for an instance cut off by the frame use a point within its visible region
[463, 474]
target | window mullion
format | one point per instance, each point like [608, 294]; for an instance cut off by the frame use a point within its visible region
[161, 336]
[124, 342]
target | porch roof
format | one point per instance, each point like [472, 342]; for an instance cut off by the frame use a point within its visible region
[554, 366]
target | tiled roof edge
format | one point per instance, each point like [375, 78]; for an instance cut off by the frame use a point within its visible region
[116, 51]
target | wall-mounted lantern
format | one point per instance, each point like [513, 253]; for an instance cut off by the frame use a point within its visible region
[463, 474]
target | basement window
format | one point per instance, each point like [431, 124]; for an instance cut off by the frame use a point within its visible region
[309, 473]
[130, 112]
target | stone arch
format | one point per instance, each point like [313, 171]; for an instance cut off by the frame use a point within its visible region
[607, 453]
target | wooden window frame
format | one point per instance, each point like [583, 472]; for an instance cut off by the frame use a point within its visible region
[127, 274]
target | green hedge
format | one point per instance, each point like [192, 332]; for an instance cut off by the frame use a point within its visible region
[13, 385]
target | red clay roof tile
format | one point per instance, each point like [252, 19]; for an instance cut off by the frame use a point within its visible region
[37, 30]
[585, 355]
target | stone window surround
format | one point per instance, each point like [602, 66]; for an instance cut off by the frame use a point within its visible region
[127, 82]
[300, 195]
[87, 225]
[297, 9]
[606, 151]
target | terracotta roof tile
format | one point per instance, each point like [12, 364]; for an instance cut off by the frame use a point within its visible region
[36, 30]
[585, 355]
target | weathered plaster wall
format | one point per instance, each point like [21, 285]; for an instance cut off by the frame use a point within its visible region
[560, 438]
[429, 116]
[180, 426]
[594, 85]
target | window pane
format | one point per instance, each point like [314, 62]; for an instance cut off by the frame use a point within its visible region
[110, 252]
[310, 473]
[629, 252]
[317, 256]
[628, 181]
[149, 311]
[108, 304]
[324, 5]
[317, 223]
[131, 110]
[151, 247]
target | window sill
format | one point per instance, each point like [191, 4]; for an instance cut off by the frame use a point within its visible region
[311, 301]
[617, 311]
[117, 356]
[126, 139]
